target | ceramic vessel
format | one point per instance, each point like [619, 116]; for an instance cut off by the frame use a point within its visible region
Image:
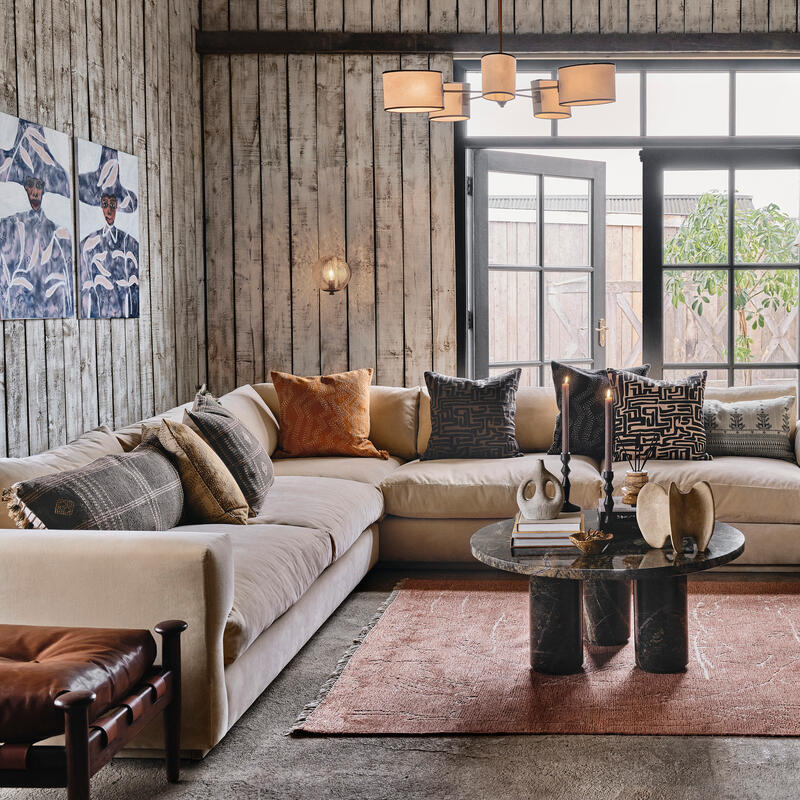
[632, 485]
[591, 542]
[540, 505]
[667, 513]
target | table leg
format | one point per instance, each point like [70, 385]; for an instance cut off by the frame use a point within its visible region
[556, 625]
[607, 611]
[662, 635]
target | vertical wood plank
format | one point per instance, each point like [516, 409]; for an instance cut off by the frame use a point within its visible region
[272, 14]
[783, 15]
[556, 16]
[414, 15]
[669, 16]
[331, 206]
[300, 15]
[613, 16]
[304, 214]
[727, 16]
[329, 16]
[528, 16]
[642, 16]
[443, 257]
[357, 15]
[360, 212]
[757, 14]
[471, 16]
[585, 16]
[492, 18]
[698, 16]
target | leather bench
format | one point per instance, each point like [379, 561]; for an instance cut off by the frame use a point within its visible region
[97, 686]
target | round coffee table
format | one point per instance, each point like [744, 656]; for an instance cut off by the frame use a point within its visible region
[569, 591]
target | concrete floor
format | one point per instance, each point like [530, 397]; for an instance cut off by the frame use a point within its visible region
[256, 759]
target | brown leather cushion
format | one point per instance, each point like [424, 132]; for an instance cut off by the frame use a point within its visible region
[39, 663]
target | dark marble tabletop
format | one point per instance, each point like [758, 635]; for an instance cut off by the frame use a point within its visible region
[628, 556]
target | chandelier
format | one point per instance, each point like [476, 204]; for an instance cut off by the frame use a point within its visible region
[422, 90]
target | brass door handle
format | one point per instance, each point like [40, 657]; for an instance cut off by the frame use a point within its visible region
[602, 329]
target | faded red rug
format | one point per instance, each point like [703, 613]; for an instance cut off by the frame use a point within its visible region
[445, 657]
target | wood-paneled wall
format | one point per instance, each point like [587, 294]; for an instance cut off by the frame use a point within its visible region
[300, 155]
[122, 73]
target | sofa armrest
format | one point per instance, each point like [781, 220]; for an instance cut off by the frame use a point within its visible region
[126, 579]
[797, 443]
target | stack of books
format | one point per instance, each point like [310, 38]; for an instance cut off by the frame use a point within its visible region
[531, 534]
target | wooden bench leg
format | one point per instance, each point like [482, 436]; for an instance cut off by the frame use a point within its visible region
[170, 632]
[76, 730]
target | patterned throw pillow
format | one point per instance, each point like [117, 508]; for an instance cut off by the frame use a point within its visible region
[587, 392]
[210, 491]
[667, 415]
[240, 451]
[758, 428]
[472, 419]
[325, 416]
[136, 491]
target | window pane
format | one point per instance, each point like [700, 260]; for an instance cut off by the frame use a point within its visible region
[514, 119]
[513, 217]
[513, 316]
[766, 377]
[715, 377]
[620, 118]
[765, 315]
[695, 216]
[695, 315]
[766, 103]
[687, 104]
[548, 370]
[767, 212]
[566, 332]
[528, 377]
[567, 205]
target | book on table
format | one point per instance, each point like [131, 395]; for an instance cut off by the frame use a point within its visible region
[537, 533]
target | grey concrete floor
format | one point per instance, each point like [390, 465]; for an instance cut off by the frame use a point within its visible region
[257, 760]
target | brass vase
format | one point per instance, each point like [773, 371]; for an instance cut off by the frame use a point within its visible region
[632, 485]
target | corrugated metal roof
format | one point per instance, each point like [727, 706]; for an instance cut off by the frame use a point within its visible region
[679, 204]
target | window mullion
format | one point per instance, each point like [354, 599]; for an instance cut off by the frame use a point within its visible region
[731, 274]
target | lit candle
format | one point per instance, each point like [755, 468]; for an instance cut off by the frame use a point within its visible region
[565, 416]
[609, 430]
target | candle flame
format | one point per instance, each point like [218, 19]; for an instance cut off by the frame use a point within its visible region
[566, 380]
[608, 394]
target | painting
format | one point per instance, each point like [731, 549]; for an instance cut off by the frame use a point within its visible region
[36, 272]
[108, 227]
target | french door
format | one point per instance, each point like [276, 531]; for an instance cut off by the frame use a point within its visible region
[538, 263]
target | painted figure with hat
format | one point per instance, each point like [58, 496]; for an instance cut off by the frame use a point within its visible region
[36, 226]
[109, 255]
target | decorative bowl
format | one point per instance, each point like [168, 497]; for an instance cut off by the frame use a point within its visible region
[591, 542]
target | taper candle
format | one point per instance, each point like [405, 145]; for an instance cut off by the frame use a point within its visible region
[609, 420]
[565, 416]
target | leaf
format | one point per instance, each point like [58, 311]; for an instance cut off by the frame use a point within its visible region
[47, 252]
[99, 261]
[35, 253]
[43, 154]
[133, 280]
[117, 254]
[32, 133]
[20, 281]
[54, 276]
[53, 289]
[62, 233]
[6, 164]
[132, 258]
[90, 243]
[87, 285]
[108, 175]
[26, 157]
[125, 203]
[104, 282]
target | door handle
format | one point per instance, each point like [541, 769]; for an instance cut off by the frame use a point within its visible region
[602, 329]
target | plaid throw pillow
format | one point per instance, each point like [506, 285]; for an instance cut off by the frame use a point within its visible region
[664, 415]
[136, 491]
[239, 450]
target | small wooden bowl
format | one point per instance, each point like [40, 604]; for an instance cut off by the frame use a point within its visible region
[591, 542]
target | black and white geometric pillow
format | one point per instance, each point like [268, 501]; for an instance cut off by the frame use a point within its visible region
[587, 393]
[665, 414]
[472, 419]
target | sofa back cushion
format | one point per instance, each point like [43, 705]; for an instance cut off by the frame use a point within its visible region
[85, 449]
[736, 394]
[247, 405]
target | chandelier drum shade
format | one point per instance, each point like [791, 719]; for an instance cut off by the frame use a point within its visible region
[456, 104]
[331, 274]
[498, 77]
[546, 103]
[587, 84]
[413, 90]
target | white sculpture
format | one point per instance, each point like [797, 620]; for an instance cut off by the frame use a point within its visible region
[540, 505]
[668, 513]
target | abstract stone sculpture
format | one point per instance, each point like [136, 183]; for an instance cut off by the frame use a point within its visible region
[668, 513]
[540, 505]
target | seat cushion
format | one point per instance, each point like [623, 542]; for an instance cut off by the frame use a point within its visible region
[477, 488]
[746, 489]
[342, 509]
[37, 664]
[364, 470]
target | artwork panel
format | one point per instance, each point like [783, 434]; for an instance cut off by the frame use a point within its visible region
[108, 231]
[36, 228]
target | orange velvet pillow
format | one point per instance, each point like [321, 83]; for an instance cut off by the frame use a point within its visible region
[325, 416]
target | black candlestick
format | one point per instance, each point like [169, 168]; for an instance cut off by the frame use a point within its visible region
[608, 506]
[565, 472]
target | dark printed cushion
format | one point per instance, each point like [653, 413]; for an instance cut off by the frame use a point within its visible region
[136, 491]
[472, 419]
[240, 451]
[587, 392]
[760, 428]
[664, 415]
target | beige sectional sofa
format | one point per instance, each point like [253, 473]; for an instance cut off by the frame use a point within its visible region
[253, 595]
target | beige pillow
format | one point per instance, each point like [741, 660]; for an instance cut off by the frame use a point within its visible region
[764, 391]
[250, 409]
[211, 495]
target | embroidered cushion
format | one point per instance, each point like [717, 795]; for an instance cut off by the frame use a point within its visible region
[587, 391]
[240, 451]
[210, 491]
[327, 415]
[665, 414]
[760, 428]
[472, 419]
[136, 491]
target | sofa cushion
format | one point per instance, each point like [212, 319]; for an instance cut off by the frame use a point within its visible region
[364, 470]
[342, 509]
[477, 488]
[131, 435]
[763, 391]
[247, 405]
[85, 449]
[746, 489]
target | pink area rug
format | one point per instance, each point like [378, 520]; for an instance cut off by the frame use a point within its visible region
[445, 657]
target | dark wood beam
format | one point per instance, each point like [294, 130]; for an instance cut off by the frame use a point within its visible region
[530, 44]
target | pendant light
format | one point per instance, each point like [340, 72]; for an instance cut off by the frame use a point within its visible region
[587, 84]
[456, 104]
[412, 90]
[546, 104]
[332, 274]
[499, 70]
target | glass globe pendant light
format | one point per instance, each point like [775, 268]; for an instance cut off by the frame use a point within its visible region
[331, 274]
